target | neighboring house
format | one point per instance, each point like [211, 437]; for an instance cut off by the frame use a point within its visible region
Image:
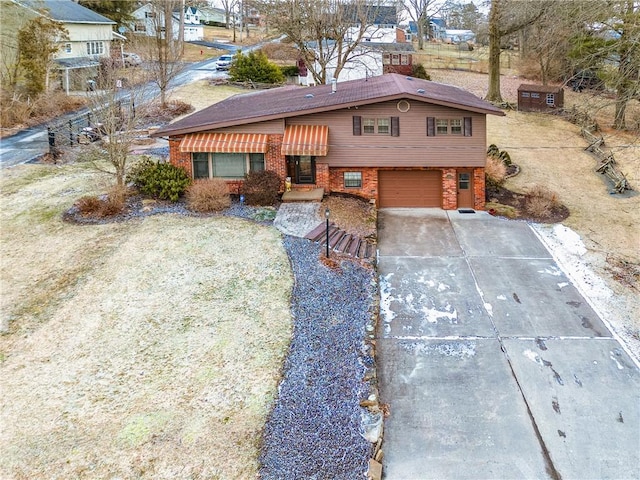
[148, 18]
[539, 98]
[400, 141]
[457, 36]
[90, 38]
[215, 16]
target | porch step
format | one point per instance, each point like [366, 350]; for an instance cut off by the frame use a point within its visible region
[342, 242]
[313, 195]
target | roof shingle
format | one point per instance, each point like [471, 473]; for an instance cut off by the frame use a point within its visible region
[292, 101]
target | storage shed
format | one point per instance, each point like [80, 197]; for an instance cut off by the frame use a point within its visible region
[538, 98]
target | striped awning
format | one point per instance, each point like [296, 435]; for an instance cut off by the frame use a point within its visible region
[306, 140]
[225, 142]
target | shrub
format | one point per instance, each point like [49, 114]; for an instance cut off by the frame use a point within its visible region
[495, 172]
[289, 70]
[208, 195]
[254, 67]
[418, 71]
[505, 158]
[493, 150]
[159, 180]
[261, 188]
[104, 206]
[540, 201]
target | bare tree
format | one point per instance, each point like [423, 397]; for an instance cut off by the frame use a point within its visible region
[164, 50]
[420, 11]
[229, 7]
[506, 17]
[115, 120]
[327, 33]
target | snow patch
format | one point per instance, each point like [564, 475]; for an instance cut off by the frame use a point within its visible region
[533, 356]
[561, 285]
[432, 315]
[501, 297]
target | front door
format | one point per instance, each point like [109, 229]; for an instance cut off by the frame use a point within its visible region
[304, 169]
[465, 189]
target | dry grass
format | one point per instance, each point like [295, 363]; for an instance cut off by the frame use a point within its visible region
[201, 94]
[134, 349]
[540, 201]
[354, 215]
[208, 195]
[495, 171]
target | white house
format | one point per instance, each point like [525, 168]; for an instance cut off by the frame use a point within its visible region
[457, 36]
[148, 18]
[90, 38]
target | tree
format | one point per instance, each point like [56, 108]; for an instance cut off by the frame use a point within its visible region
[120, 11]
[229, 7]
[420, 11]
[327, 33]
[462, 16]
[255, 67]
[506, 17]
[38, 40]
[164, 48]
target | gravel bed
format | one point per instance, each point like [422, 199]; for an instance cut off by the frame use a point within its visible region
[315, 428]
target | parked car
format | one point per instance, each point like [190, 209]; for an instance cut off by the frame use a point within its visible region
[131, 59]
[586, 79]
[224, 62]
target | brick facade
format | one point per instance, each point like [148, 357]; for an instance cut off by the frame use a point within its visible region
[332, 179]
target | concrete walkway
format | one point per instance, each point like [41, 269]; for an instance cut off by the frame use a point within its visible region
[493, 365]
[298, 218]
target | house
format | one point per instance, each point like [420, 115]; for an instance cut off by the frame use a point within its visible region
[457, 36]
[539, 98]
[216, 16]
[400, 141]
[368, 59]
[149, 18]
[90, 39]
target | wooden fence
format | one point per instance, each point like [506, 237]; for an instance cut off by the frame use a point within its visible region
[607, 162]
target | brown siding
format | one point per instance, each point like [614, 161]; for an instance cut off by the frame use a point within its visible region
[411, 149]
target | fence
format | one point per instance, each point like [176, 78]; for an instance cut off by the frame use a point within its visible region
[78, 130]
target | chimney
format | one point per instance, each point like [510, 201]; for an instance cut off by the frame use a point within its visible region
[334, 85]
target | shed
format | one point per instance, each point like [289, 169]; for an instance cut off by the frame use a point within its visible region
[538, 98]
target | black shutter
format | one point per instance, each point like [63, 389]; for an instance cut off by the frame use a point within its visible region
[467, 126]
[395, 126]
[431, 126]
[357, 125]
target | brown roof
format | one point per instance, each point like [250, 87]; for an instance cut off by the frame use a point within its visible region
[291, 101]
[528, 87]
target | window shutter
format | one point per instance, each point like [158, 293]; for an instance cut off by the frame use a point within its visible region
[467, 126]
[395, 126]
[357, 125]
[431, 126]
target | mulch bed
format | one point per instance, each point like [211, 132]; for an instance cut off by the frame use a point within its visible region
[518, 201]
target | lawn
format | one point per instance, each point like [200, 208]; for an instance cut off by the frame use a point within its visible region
[134, 349]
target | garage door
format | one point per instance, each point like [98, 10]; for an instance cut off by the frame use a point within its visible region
[417, 188]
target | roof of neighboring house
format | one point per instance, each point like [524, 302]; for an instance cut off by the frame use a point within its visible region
[398, 47]
[529, 87]
[372, 14]
[292, 101]
[65, 11]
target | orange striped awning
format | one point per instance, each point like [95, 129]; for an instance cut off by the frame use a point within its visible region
[225, 142]
[306, 140]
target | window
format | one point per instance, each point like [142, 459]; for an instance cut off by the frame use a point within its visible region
[464, 181]
[404, 59]
[395, 59]
[380, 126]
[453, 126]
[95, 48]
[140, 27]
[226, 165]
[149, 14]
[383, 126]
[535, 95]
[352, 179]
[67, 48]
[551, 99]
[525, 94]
[386, 58]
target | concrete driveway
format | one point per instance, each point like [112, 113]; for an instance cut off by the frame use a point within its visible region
[493, 364]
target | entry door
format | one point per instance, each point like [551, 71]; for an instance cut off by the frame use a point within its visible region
[465, 189]
[305, 169]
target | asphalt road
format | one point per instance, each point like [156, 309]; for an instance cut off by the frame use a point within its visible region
[30, 143]
[492, 363]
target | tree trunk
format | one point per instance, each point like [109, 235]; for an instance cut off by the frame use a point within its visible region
[493, 95]
[420, 26]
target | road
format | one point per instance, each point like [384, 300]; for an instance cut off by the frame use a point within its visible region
[32, 142]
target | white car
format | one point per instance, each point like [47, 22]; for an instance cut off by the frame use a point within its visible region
[131, 59]
[224, 62]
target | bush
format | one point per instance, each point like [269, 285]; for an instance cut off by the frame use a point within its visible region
[541, 201]
[261, 188]
[289, 70]
[208, 195]
[105, 206]
[418, 71]
[254, 67]
[495, 172]
[159, 180]
[505, 158]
